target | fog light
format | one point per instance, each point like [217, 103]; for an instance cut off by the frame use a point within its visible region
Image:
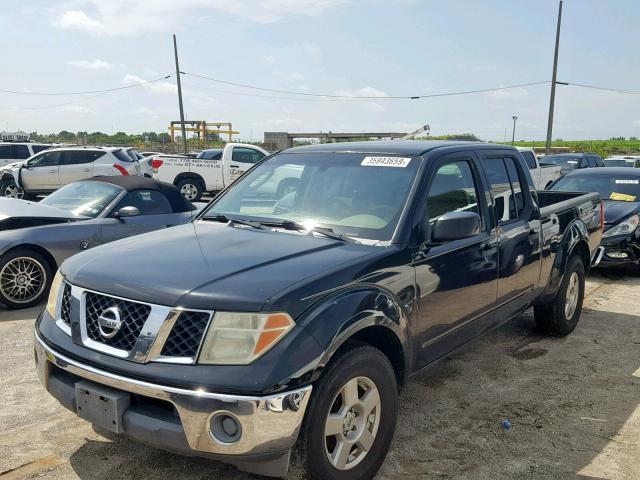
[617, 254]
[225, 428]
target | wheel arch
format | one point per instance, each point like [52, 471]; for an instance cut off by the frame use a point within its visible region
[369, 315]
[36, 248]
[186, 175]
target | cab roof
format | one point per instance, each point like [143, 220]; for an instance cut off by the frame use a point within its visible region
[389, 147]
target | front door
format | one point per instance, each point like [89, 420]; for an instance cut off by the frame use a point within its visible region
[242, 159]
[40, 173]
[518, 228]
[456, 280]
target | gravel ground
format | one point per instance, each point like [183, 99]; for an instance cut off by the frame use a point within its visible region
[572, 403]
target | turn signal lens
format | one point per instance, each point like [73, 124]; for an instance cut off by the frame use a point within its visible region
[53, 295]
[240, 338]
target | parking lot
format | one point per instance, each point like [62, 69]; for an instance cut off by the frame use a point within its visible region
[572, 402]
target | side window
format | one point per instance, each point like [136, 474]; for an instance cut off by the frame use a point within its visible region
[6, 151]
[149, 202]
[591, 162]
[21, 152]
[505, 187]
[246, 155]
[78, 157]
[39, 148]
[582, 162]
[599, 161]
[46, 159]
[530, 158]
[453, 189]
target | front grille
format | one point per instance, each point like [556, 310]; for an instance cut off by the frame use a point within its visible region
[132, 314]
[186, 335]
[65, 307]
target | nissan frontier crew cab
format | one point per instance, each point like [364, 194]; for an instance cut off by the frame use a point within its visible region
[265, 324]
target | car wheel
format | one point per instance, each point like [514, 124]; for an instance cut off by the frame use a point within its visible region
[560, 317]
[9, 189]
[191, 189]
[286, 186]
[25, 278]
[351, 416]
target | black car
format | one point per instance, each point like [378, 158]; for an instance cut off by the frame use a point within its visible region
[222, 338]
[619, 188]
[573, 161]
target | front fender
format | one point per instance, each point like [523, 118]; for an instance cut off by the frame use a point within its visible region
[575, 234]
[11, 175]
[341, 315]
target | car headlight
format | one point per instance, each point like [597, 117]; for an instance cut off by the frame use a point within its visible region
[53, 295]
[624, 228]
[239, 338]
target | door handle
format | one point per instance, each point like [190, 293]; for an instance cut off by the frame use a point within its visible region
[234, 166]
[52, 171]
[87, 170]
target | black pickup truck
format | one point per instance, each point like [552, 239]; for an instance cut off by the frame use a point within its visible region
[270, 321]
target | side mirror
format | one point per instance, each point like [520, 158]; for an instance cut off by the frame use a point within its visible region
[127, 212]
[456, 226]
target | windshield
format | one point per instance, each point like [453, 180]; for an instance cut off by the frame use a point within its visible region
[567, 162]
[625, 188]
[357, 195]
[88, 199]
[617, 162]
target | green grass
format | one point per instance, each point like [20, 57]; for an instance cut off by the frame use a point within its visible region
[604, 148]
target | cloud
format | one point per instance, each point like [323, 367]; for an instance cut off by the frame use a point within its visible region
[79, 20]
[77, 109]
[507, 94]
[90, 64]
[367, 91]
[124, 17]
[157, 87]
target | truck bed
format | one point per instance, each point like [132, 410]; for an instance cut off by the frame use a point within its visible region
[555, 202]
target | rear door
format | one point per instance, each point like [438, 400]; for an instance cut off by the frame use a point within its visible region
[77, 165]
[40, 173]
[155, 213]
[242, 159]
[518, 227]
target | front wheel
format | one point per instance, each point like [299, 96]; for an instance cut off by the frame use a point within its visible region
[351, 416]
[560, 317]
[25, 278]
[9, 189]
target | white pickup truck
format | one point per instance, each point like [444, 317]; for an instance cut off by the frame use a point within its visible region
[543, 174]
[211, 171]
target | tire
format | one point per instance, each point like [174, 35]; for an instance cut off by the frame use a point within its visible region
[556, 318]
[286, 186]
[190, 188]
[9, 189]
[36, 274]
[370, 371]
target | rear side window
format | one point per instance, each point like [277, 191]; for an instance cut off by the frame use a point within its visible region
[591, 162]
[530, 158]
[149, 202]
[6, 151]
[453, 189]
[21, 152]
[246, 155]
[210, 154]
[505, 188]
[599, 161]
[77, 157]
[39, 148]
[122, 156]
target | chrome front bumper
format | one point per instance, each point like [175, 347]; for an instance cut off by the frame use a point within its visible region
[270, 424]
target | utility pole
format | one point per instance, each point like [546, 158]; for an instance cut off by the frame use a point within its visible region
[553, 83]
[182, 125]
[513, 135]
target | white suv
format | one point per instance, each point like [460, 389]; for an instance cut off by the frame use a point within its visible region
[49, 170]
[12, 152]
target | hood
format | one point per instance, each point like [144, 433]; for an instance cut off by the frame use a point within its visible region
[12, 165]
[616, 211]
[16, 213]
[210, 266]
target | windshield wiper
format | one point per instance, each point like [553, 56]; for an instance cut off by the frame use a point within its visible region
[226, 219]
[291, 225]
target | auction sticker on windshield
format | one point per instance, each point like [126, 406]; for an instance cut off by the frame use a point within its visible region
[622, 196]
[385, 162]
[628, 181]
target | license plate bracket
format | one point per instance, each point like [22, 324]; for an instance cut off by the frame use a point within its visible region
[102, 406]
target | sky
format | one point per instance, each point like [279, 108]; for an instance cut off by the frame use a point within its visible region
[374, 48]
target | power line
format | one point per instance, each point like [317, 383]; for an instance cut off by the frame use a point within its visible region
[606, 89]
[364, 97]
[86, 92]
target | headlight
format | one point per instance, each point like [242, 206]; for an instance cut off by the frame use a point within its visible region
[239, 338]
[53, 295]
[624, 228]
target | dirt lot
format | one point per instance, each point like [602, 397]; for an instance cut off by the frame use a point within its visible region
[572, 403]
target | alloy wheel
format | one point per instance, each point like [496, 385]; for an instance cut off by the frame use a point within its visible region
[22, 279]
[573, 292]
